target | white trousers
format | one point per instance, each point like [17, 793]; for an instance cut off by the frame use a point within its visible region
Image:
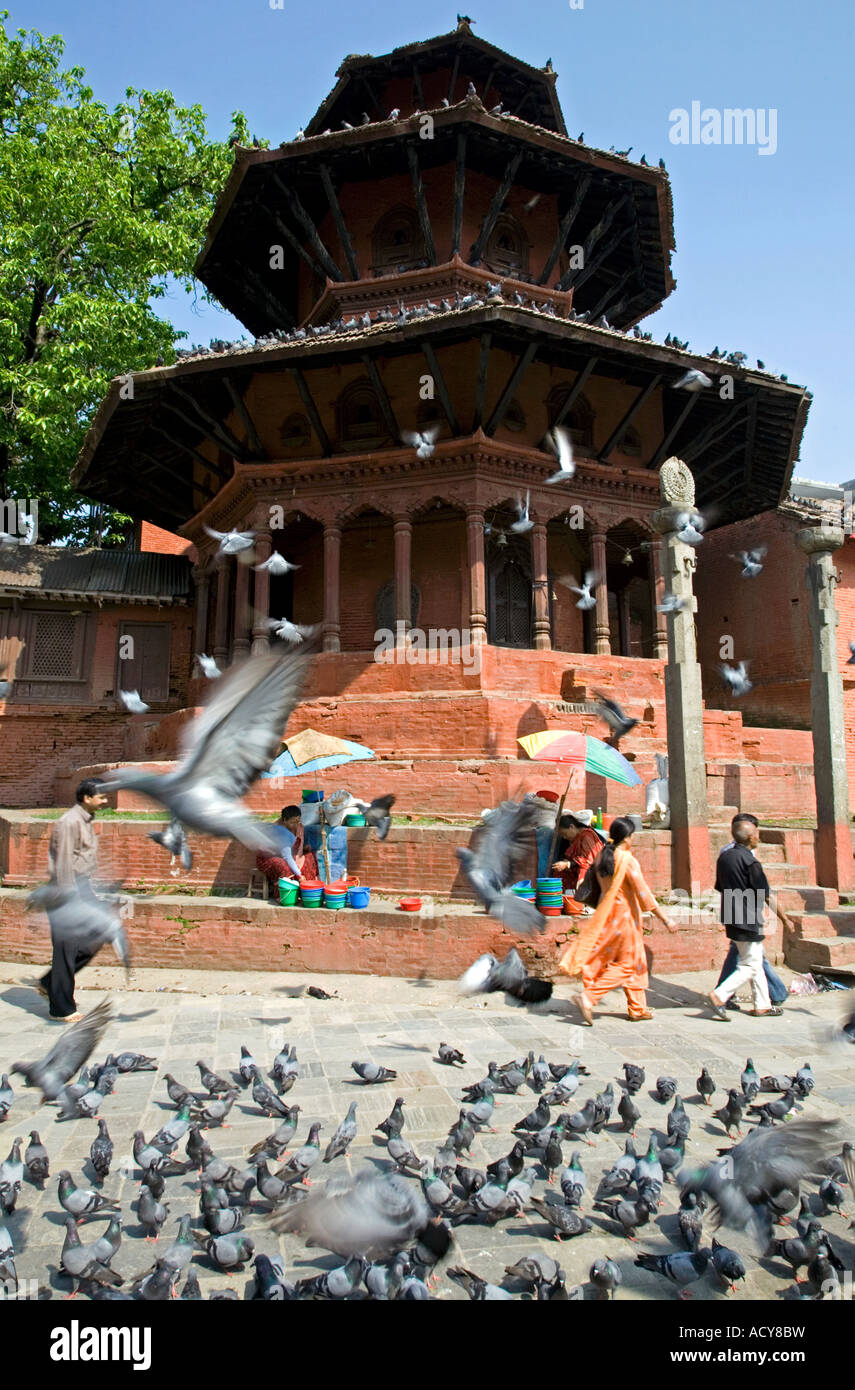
[750, 967]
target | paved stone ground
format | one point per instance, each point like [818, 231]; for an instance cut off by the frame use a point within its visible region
[181, 1016]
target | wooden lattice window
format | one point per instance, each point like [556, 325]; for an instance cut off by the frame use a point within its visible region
[384, 606]
[507, 248]
[580, 420]
[360, 418]
[52, 666]
[397, 242]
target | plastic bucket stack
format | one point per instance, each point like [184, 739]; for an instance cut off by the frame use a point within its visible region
[550, 899]
[335, 894]
[523, 889]
[354, 818]
[358, 897]
[311, 893]
[288, 891]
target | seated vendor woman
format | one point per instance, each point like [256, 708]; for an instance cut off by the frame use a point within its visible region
[581, 846]
[291, 859]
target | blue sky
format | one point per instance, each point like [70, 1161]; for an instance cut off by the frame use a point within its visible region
[764, 243]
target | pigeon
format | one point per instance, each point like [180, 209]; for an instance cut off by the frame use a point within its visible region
[666, 1088]
[627, 1215]
[247, 1066]
[149, 1156]
[158, 1286]
[492, 866]
[478, 1289]
[82, 1261]
[682, 1268]
[831, 1194]
[470, 1179]
[232, 542]
[213, 1112]
[689, 526]
[208, 666]
[344, 1135]
[737, 678]
[728, 1264]
[81, 1202]
[573, 1182]
[564, 1220]
[535, 1119]
[629, 1113]
[563, 445]
[462, 1135]
[796, 1251]
[179, 1094]
[804, 1078]
[671, 603]
[732, 1112]
[402, 1153]
[369, 1213]
[276, 1143]
[439, 1195]
[151, 1212]
[132, 702]
[583, 1120]
[672, 1156]
[302, 1161]
[424, 441]
[649, 1169]
[8, 1273]
[37, 1162]
[135, 1061]
[270, 1283]
[450, 1056]
[394, 1122]
[101, 1152]
[635, 1077]
[679, 1123]
[228, 1251]
[690, 1220]
[272, 1188]
[612, 714]
[620, 1176]
[214, 1084]
[589, 583]
[223, 1221]
[82, 919]
[170, 1135]
[749, 1080]
[372, 1073]
[191, 1293]
[606, 1276]
[692, 380]
[535, 1269]
[285, 1069]
[705, 1085]
[751, 561]
[174, 839]
[512, 1163]
[523, 523]
[777, 1109]
[488, 975]
[539, 1075]
[7, 1096]
[225, 748]
[11, 1178]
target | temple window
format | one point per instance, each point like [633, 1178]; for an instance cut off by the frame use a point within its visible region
[295, 433]
[397, 242]
[579, 422]
[360, 419]
[507, 249]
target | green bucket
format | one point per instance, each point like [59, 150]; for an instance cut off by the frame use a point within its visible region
[288, 892]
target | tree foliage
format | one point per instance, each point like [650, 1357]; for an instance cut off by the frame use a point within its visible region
[102, 213]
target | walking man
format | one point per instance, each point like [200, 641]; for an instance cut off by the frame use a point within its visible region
[778, 992]
[744, 891]
[72, 859]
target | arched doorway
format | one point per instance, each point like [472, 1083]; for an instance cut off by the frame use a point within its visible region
[510, 611]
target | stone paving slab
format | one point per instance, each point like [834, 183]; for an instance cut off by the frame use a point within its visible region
[182, 1016]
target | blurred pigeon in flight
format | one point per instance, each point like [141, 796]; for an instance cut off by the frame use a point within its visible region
[174, 839]
[225, 748]
[737, 678]
[523, 522]
[233, 542]
[612, 714]
[132, 702]
[68, 1054]
[276, 564]
[209, 666]
[423, 441]
[671, 603]
[503, 843]
[689, 527]
[751, 561]
[82, 919]
[589, 583]
[286, 631]
[488, 975]
[693, 380]
[371, 1212]
[564, 449]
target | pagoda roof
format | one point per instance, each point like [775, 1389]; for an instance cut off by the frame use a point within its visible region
[127, 460]
[473, 58]
[257, 190]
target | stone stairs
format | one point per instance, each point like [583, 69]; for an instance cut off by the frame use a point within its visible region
[821, 932]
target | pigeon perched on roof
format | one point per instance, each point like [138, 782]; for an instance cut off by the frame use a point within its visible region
[75, 1045]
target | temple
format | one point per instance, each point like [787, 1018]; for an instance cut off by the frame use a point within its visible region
[434, 254]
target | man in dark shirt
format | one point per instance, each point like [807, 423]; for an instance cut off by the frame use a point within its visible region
[778, 992]
[744, 891]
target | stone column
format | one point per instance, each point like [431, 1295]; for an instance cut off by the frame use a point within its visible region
[332, 588]
[221, 629]
[477, 575]
[261, 594]
[687, 781]
[624, 621]
[202, 581]
[403, 533]
[242, 614]
[540, 584]
[602, 642]
[833, 838]
[657, 593]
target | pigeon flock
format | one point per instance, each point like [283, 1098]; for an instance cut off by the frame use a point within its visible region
[535, 1149]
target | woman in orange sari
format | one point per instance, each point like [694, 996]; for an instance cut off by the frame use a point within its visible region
[609, 950]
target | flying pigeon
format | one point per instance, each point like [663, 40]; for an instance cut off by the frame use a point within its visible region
[693, 380]
[589, 583]
[370, 1213]
[689, 527]
[524, 522]
[68, 1054]
[423, 441]
[174, 839]
[564, 449]
[82, 919]
[276, 564]
[737, 678]
[488, 975]
[132, 702]
[612, 714]
[491, 867]
[232, 542]
[671, 603]
[751, 561]
[286, 631]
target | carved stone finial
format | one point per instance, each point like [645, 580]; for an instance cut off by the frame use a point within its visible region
[676, 483]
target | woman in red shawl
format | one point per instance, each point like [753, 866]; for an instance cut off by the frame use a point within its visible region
[292, 861]
[582, 845]
[609, 950]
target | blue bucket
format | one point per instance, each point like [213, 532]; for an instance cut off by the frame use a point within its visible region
[358, 897]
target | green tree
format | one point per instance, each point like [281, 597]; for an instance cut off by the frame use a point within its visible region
[101, 212]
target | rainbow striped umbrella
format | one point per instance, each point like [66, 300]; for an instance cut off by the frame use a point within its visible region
[580, 750]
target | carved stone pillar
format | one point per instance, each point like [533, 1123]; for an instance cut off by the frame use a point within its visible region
[202, 581]
[687, 779]
[657, 593]
[540, 584]
[477, 575]
[403, 533]
[833, 835]
[242, 614]
[602, 640]
[225, 566]
[261, 594]
[332, 588]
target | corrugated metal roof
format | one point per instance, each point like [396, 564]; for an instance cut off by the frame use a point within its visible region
[123, 573]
